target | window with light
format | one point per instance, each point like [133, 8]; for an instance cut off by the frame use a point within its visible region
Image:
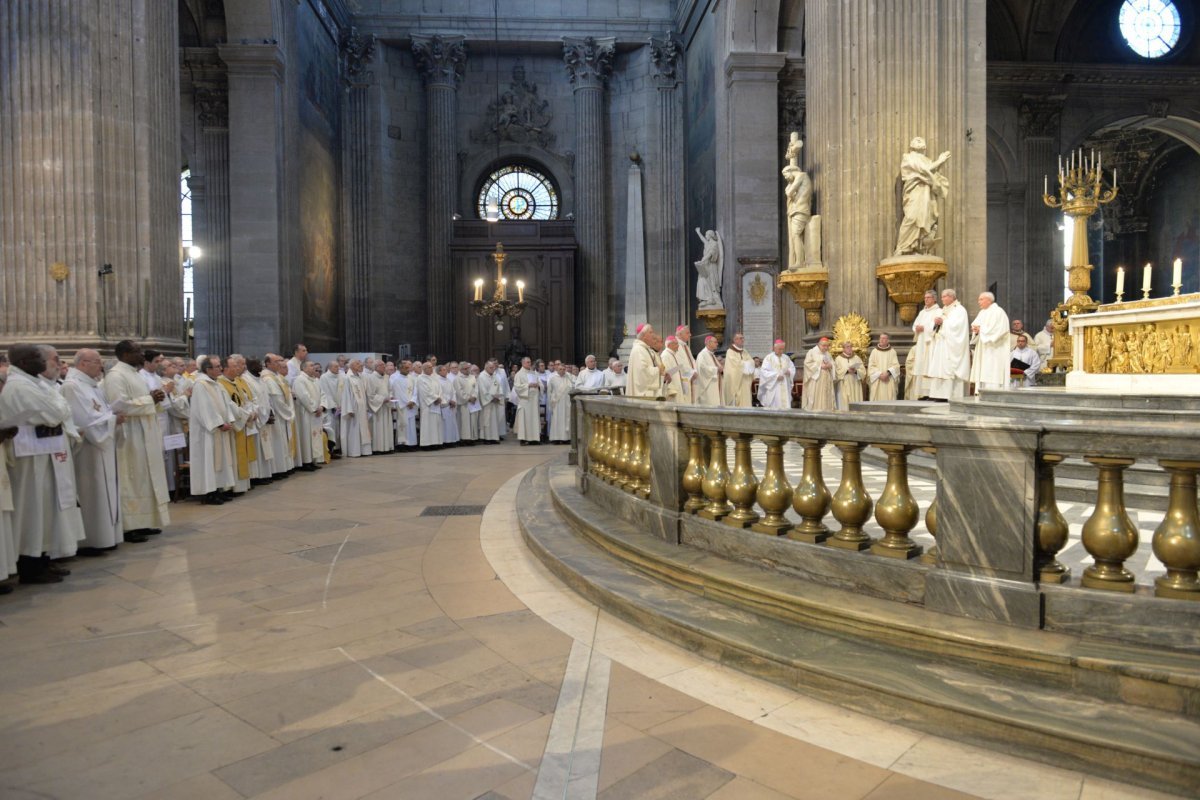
[1150, 27]
[517, 192]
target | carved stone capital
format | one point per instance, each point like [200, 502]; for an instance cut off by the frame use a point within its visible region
[357, 52]
[666, 55]
[1040, 116]
[1158, 107]
[589, 60]
[212, 106]
[440, 59]
[792, 111]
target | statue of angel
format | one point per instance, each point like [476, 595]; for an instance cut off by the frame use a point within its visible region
[710, 267]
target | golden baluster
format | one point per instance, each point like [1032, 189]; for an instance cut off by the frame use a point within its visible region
[1052, 530]
[593, 442]
[897, 511]
[693, 474]
[851, 504]
[633, 484]
[1177, 540]
[646, 465]
[625, 456]
[774, 491]
[602, 456]
[1109, 535]
[930, 556]
[742, 487]
[715, 478]
[811, 498]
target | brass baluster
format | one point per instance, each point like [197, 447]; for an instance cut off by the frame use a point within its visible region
[930, 556]
[693, 474]
[742, 487]
[593, 442]
[633, 482]
[715, 478]
[1177, 540]
[851, 504]
[625, 456]
[774, 491]
[811, 498]
[602, 450]
[1052, 530]
[646, 465]
[897, 511]
[1109, 535]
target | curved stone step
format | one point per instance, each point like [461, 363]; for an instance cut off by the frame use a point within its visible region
[988, 684]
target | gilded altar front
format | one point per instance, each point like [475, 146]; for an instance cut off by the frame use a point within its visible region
[1146, 347]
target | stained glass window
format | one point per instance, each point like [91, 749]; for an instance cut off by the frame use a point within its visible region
[519, 193]
[1150, 27]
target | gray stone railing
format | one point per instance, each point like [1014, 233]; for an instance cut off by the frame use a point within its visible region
[995, 520]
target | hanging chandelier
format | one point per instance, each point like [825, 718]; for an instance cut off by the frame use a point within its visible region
[499, 306]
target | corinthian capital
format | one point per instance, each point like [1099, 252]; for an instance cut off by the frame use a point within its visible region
[589, 59]
[665, 53]
[441, 59]
[357, 51]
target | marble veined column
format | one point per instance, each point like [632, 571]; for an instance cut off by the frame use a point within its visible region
[589, 63]
[441, 61]
[89, 173]
[879, 74]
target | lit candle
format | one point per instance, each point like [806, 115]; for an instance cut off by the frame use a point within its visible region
[1146, 278]
[1045, 184]
[1177, 272]
[478, 289]
[520, 291]
[1120, 280]
[1114, 179]
[504, 286]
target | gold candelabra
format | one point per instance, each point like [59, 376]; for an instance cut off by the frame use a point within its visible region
[500, 306]
[1081, 192]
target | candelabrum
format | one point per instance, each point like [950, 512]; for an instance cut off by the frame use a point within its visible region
[1081, 192]
[500, 306]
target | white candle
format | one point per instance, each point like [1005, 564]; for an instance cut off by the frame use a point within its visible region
[504, 286]
[1114, 179]
[520, 291]
[1146, 278]
[1177, 272]
[479, 288]
[1045, 184]
[1120, 280]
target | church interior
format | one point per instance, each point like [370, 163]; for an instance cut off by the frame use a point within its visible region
[883, 597]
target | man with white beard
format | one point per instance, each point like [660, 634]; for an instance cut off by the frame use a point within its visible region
[96, 457]
[379, 407]
[949, 364]
[990, 332]
[309, 413]
[404, 397]
[778, 373]
[210, 435]
[430, 401]
[923, 327]
[708, 375]
[529, 389]
[446, 374]
[491, 401]
[356, 426]
[331, 392]
[140, 463]
[589, 377]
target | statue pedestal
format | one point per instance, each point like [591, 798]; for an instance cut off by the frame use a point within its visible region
[907, 278]
[714, 322]
[807, 287]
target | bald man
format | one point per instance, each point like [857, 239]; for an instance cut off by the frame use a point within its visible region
[96, 456]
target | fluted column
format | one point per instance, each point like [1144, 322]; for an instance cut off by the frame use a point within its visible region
[668, 278]
[879, 74]
[441, 60]
[357, 51]
[89, 173]
[214, 273]
[1039, 288]
[589, 63]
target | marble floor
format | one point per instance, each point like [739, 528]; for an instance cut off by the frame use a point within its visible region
[336, 636]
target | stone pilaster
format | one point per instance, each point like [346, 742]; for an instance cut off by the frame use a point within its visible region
[357, 51]
[210, 222]
[441, 61]
[1041, 289]
[89, 173]
[589, 63]
[879, 74]
[667, 277]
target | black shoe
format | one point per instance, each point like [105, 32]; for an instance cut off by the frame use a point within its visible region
[212, 499]
[6, 588]
[153, 531]
[55, 569]
[135, 538]
[92, 552]
[43, 577]
[225, 495]
[310, 468]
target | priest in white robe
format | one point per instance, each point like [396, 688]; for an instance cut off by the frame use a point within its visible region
[990, 333]
[379, 407]
[1043, 342]
[491, 402]
[883, 370]
[331, 392]
[8, 536]
[678, 388]
[1024, 353]
[213, 469]
[295, 364]
[140, 465]
[309, 415]
[356, 426]
[777, 376]
[450, 435]
[528, 387]
[278, 421]
[559, 391]
[589, 377]
[910, 374]
[847, 377]
[96, 456]
[430, 400]
[260, 467]
[949, 364]
[647, 374]
[404, 397]
[738, 374]
[616, 379]
[466, 395]
[708, 375]
[818, 379]
[924, 328]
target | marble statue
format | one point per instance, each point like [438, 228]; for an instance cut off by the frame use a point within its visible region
[798, 192]
[925, 189]
[710, 267]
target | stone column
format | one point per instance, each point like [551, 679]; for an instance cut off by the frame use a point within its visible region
[357, 51]
[441, 61]
[210, 220]
[89, 173]
[879, 74]
[259, 299]
[589, 63]
[1042, 288]
[668, 278]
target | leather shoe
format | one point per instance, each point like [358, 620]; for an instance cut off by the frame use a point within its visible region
[43, 577]
[55, 569]
[212, 500]
[6, 588]
[135, 538]
[91, 552]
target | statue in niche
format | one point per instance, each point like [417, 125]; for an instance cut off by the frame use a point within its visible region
[519, 115]
[797, 190]
[710, 267]
[925, 189]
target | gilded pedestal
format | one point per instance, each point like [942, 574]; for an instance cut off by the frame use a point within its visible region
[807, 287]
[714, 322]
[907, 278]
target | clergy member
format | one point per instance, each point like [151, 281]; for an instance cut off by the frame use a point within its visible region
[775, 381]
[818, 378]
[8, 536]
[356, 426]
[96, 457]
[559, 389]
[295, 364]
[430, 401]
[676, 367]
[282, 417]
[404, 397]
[528, 387]
[847, 377]
[1024, 353]
[245, 414]
[466, 395]
[922, 347]
[491, 401]
[990, 334]
[708, 374]
[260, 467]
[647, 374]
[309, 415]
[687, 388]
[140, 465]
[590, 377]
[210, 435]
[616, 380]
[949, 364]
[379, 407]
[331, 391]
[738, 374]
[883, 370]
[1044, 342]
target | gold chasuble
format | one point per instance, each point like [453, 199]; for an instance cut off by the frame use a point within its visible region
[244, 449]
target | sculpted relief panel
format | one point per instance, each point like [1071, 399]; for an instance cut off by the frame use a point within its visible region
[1147, 348]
